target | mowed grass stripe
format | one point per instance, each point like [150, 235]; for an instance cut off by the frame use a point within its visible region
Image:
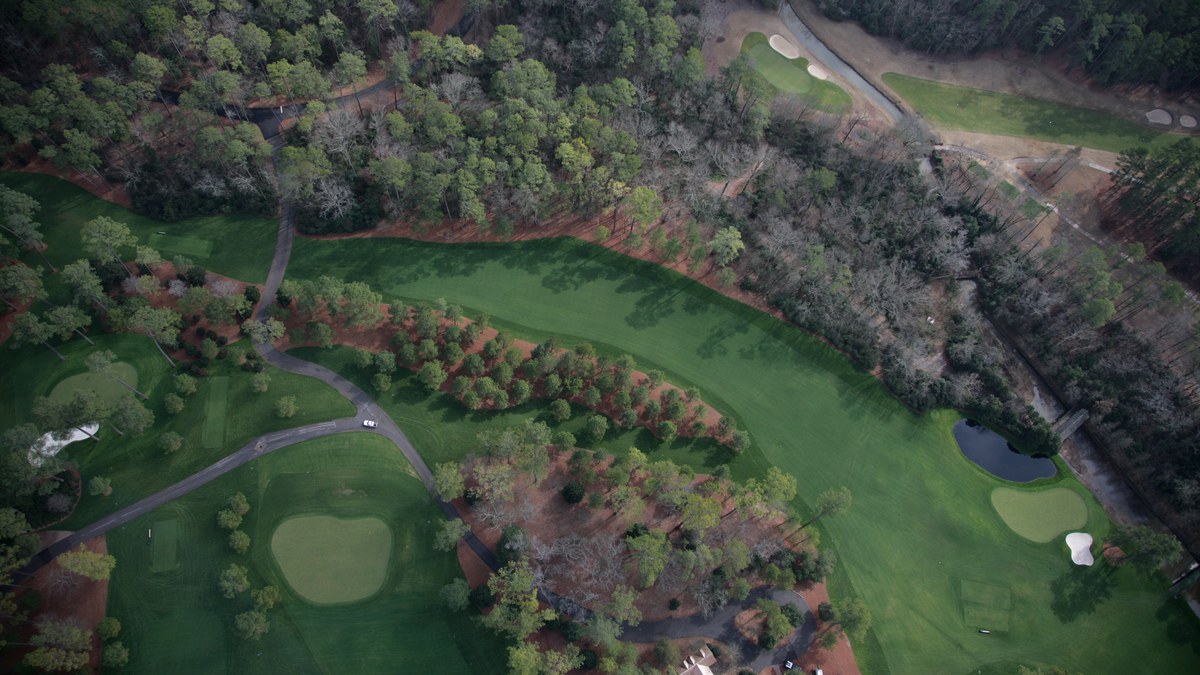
[993, 112]
[190, 246]
[922, 518]
[164, 537]
[216, 405]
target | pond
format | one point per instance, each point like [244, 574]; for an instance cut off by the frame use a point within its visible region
[994, 454]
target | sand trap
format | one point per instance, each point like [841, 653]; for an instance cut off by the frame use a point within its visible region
[817, 72]
[48, 446]
[1159, 116]
[784, 46]
[1080, 544]
[1187, 121]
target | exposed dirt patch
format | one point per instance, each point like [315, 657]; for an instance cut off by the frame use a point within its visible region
[1008, 71]
[65, 597]
[446, 14]
[840, 659]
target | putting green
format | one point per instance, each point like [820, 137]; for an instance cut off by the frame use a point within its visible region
[1040, 516]
[329, 560]
[107, 388]
[791, 75]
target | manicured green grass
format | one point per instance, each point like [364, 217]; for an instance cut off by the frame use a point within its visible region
[1031, 209]
[1040, 515]
[136, 465]
[241, 245]
[328, 560]
[992, 112]
[1008, 189]
[922, 518]
[791, 76]
[176, 622]
[164, 538]
[189, 246]
[216, 411]
[106, 388]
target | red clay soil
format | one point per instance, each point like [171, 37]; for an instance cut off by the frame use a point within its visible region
[379, 338]
[547, 517]
[7, 320]
[446, 14]
[109, 192]
[840, 659]
[83, 605]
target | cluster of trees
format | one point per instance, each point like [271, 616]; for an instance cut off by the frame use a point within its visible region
[433, 340]
[1153, 193]
[1114, 41]
[230, 518]
[679, 535]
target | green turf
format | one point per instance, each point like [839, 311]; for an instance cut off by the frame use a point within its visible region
[978, 169]
[328, 560]
[1031, 209]
[791, 76]
[922, 517]
[107, 388]
[136, 465]
[1008, 189]
[164, 540]
[241, 246]
[216, 405]
[177, 622]
[189, 246]
[992, 112]
[1040, 515]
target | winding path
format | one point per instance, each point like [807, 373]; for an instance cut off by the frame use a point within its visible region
[719, 626]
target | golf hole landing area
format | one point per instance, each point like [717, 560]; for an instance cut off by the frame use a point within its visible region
[1040, 516]
[329, 560]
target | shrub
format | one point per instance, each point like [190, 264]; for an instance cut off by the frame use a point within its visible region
[573, 492]
[825, 611]
[793, 614]
[482, 597]
[673, 604]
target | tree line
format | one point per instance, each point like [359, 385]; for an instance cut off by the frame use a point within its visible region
[1115, 41]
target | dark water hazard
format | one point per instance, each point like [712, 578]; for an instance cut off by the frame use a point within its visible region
[997, 456]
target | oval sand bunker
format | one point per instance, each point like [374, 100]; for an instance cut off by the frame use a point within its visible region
[817, 72]
[784, 46]
[329, 560]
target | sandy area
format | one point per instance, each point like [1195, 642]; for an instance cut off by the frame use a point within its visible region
[817, 72]
[784, 46]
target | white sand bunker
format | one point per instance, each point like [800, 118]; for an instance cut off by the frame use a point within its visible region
[784, 46]
[1159, 116]
[1080, 544]
[52, 443]
[1187, 121]
[817, 72]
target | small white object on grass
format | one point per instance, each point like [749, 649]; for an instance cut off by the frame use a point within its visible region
[784, 46]
[1080, 544]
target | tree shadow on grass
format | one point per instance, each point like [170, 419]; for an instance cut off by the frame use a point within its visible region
[1182, 627]
[1080, 591]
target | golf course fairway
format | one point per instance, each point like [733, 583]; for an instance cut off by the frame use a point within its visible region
[922, 521]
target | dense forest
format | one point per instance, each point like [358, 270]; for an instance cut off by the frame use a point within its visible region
[1115, 41]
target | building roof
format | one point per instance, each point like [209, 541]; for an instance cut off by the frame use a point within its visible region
[699, 665]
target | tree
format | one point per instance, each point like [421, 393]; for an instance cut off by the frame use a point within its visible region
[265, 597]
[726, 245]
[854, 618]
[645, 206]
[104, 238]
[99, 485]
[597, 426]
[286, 407]
[831, 503]
[448, 480]
[238, 503]
[170, 442]
[700, 513]
[116, 655]
[261, 332]
[130, 416]
[228, 519]
[86, 563]
[495, 481]
[516, 613]
[108, 628]
[622, 606]
[573, 492]
[252, 625]
[651, 552]
[184, 384]
[349, 69]
[432, 375]
[173, 403]
[560, 409]
[456, 594]
[260, 382]
[234, 580]
[449, 533]
[1146, 548]
[59, 646]
[239, 541]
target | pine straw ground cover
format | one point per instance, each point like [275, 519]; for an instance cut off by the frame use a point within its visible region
[922, 519]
